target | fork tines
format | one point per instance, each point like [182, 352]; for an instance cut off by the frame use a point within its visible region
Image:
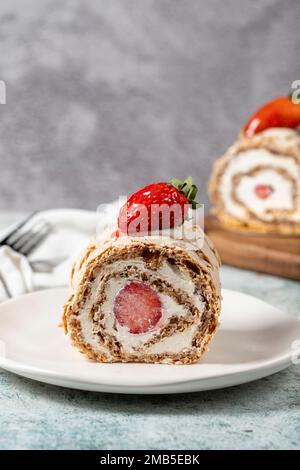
[27, 235]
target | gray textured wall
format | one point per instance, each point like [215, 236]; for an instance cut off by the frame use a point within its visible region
[106, 95]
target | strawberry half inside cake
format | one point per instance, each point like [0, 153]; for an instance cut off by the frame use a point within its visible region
[137, 307]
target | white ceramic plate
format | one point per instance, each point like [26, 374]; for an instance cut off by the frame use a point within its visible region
[254, 340]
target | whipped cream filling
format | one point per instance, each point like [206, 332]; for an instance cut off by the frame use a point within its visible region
[167, 272]
[196, 247]
[131, 341]
[281, 198]
[178, 342]
[87, 326]
[170, 307]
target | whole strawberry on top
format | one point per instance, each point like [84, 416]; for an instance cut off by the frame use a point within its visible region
[157, 206]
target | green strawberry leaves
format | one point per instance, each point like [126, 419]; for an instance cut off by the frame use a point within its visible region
[188, 189]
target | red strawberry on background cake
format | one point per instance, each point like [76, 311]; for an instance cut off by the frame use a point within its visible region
[281, 112]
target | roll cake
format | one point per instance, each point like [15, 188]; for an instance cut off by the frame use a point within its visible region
[256, 185]
[149, 297]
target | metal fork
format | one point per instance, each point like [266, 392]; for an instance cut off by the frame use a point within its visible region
[26, 235]
[24, 238]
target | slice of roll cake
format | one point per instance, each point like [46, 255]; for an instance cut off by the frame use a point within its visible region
[150, 296]
[256, 184]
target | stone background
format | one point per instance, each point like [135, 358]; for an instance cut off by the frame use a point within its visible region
[104, 96]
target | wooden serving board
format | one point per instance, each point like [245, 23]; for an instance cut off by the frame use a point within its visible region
[272, 254]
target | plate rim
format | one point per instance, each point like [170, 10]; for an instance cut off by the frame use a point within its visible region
[48, 376]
